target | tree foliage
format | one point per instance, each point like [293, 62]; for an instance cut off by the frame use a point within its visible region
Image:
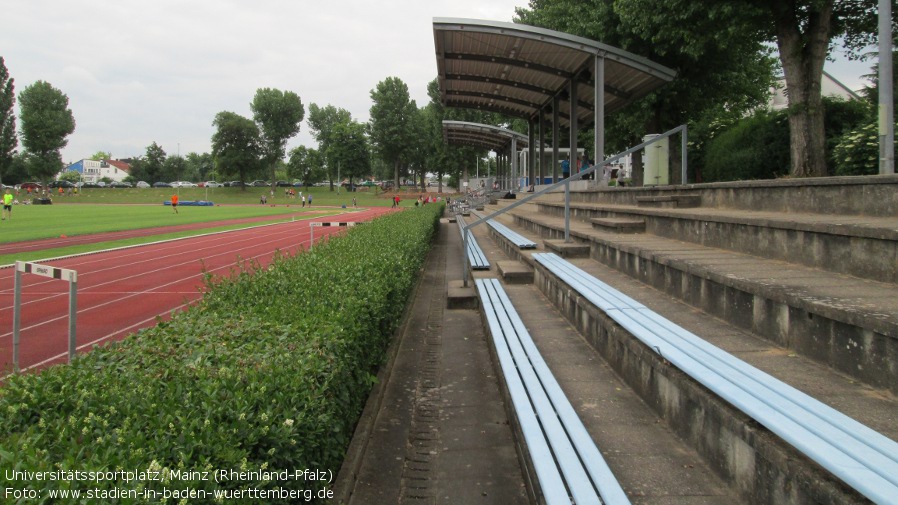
[322, 121]
[101, 155]
[8, 138]
[349, 149]
[391, 126]
[754, 148]
[46, 122]
[718, 59]
[305, 164]
[278, 115]
[236, 145]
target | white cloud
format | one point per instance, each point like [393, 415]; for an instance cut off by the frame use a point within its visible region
[138, 72]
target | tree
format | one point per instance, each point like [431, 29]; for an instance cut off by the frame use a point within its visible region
[46, 122]
[803, 30]
[198, 167]
[236, 145]
[719, 60]
[391, 122]
[278, 115]
[322, 121]
[101, 155]
[349, 149]
[8, 139]
[305, 165]
[150, 167]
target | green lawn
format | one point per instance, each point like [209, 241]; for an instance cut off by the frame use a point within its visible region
[32, 222]
[321, 196]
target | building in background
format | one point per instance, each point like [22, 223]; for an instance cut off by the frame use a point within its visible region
[93, 171]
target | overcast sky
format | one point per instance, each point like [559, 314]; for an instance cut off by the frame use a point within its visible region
[138, 72]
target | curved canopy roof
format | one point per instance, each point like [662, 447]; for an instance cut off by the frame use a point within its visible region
[517, 69]
[481, 135]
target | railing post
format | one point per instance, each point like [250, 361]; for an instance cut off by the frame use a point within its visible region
[684, 142]
[464, 254]
[567, 211]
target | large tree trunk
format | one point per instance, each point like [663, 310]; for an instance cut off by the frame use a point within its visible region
[396, 173]
[802, 56]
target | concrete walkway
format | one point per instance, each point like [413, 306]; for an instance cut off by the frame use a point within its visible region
[435, 429]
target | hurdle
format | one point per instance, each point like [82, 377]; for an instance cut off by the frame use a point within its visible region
[23, 267]
[313, 224]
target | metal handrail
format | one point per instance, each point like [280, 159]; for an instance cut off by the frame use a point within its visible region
[567, 191]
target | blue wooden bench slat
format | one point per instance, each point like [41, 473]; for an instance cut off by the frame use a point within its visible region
[572, 445]
[476, 257]
[863, 458]
[547, 472]
[791, 402]
[516, 238]
[607, 484]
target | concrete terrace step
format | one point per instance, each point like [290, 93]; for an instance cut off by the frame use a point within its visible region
[670, 201]
[847, 323]
[618, 225]
[825, 241]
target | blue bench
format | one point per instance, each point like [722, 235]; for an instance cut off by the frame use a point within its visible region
[564, 457]
[476, 258]
[516, 238]
[860, 456]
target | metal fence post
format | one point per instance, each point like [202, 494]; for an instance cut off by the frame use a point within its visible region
[16, 320]
[73, 313]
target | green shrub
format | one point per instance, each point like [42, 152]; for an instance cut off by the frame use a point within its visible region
[269, 372]
[754, 148]
[857, 152]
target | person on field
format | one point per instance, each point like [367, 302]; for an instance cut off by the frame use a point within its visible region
[303, 200]
[174, 202]
[310, 199]
[7, 205]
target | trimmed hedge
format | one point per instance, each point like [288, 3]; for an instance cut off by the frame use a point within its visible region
[268, 373]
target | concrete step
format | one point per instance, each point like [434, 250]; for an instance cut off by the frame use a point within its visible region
[670, 201]
[829, 242]
[618, 225]
[843, 322]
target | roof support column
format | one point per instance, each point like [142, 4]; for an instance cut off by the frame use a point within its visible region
[515, 166]
[531, 150]
[542, 144]
[574, 162]
[572, 91]
[599, 130]
[555, 138]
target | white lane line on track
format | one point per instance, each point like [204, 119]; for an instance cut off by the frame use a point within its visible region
[136, 293]
[98, 340]
[254, 244]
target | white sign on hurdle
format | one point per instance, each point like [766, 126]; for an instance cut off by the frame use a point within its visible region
[53, 273]
[313, 224]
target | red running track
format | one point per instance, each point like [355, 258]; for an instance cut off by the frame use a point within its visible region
[122, 291]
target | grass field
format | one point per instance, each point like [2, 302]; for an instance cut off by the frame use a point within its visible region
[33, 222]
[321, 196]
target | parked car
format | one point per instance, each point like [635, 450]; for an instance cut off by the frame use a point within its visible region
[161, 184]
[236, 184]
[259, 184]
[283, 184]
[142, 184]
[61, 184]
[183, 184]
[33, 186]
[212, 184]
[119, 184]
